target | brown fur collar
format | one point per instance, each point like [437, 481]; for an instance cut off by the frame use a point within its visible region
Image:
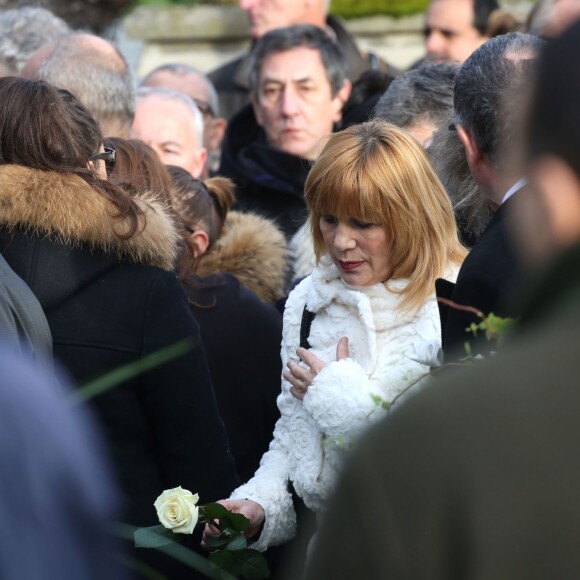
[65, 208]
[253, 249]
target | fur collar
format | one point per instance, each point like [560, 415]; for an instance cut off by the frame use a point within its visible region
[253, 249]
[65, 208]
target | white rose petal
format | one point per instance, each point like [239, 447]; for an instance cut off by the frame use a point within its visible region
[177, 510]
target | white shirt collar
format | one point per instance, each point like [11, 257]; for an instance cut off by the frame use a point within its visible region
[514, 189]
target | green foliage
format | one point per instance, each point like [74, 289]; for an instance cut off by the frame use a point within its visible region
[343, 8]
[495, 327]
[359, 8]
[153, 537]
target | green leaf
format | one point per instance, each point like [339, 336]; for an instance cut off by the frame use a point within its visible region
[153, 537]
[247, 564]
[237, 543]
[253, 565]
[215, 542]
[226, 561]
[127, 372]
[213, 511]
[237, 522]
[228, 519]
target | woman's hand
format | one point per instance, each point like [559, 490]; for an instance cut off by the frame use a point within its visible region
[300, 377]
[252, 510]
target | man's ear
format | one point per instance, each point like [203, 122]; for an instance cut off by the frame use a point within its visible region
[199, 162]
[218, 130]
[340, 100]
[558, 187]
[198, 243]
[479, 164]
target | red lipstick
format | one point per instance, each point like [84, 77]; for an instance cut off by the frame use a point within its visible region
[348, 266]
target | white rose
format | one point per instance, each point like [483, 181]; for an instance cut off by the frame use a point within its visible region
[177, 511]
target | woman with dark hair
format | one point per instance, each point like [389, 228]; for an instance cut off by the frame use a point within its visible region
[137, 168]
[252, 248]
[241, 333]
[99, 261]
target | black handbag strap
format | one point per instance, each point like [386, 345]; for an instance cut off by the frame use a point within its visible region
[307, 318]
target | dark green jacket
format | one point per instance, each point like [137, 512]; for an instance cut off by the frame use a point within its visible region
[478, 475]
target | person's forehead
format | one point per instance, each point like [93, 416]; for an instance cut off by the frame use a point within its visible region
[157, 113]
[295, 64]
[452, 15]
[191, 84]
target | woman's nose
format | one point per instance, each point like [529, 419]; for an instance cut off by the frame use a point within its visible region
[344, 238]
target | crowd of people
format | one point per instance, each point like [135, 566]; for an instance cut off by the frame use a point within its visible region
[289, 261]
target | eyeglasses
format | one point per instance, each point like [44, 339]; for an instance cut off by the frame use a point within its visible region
[204, 107]
[108, 156]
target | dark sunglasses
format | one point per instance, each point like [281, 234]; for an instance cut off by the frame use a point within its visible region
[108, 156]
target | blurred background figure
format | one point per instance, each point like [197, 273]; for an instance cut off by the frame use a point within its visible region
[455, 28]
[58, 502]
[23, 324]
[477, 476]
[420, 100]
[93, 70]
[171, 123]
[232, 81]
[23, 31]
[550, 18]
[365, 93]
[187, 79]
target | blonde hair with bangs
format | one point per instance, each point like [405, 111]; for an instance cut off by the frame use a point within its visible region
[377, 173]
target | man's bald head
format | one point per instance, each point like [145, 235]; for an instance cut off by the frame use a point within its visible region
[96, 72]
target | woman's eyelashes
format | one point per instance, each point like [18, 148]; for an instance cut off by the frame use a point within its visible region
[360, 225]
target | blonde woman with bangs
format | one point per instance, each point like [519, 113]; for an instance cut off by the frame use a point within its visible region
[384, 231]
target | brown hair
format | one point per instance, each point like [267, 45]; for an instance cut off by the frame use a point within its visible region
[46, 128]
[201, 204]
[198, 205]
[377, 173]
[138, 168]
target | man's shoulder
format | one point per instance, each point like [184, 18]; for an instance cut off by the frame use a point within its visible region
[226, 73]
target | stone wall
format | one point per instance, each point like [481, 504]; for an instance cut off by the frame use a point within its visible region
[207, 36]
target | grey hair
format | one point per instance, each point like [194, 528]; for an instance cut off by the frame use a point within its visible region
[23, 31]
[422, 94]
[471, 205]
[171, 95]
[483, 81]
[302, 35]
[182, 70]
[105, 86]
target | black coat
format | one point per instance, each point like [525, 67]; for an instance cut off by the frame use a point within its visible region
[488, 280]
[242, 337]
[104, 311]
[269, 182]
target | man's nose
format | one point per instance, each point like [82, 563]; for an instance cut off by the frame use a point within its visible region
[435, 43]
[290, 102]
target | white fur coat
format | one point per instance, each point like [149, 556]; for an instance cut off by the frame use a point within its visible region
[312, 436]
